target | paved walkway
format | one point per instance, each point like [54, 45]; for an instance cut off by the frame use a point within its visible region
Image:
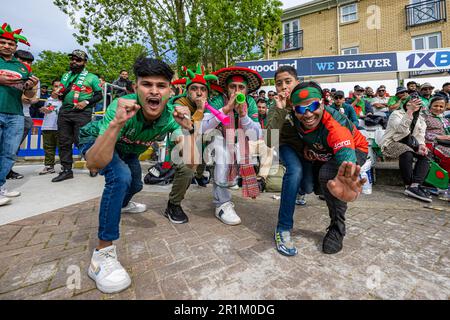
[395, 249]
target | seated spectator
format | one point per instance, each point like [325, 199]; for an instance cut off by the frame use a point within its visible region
[344, 108]
[404, 139]
[411, 86]
[426, 91]
[397, 101]
[445, 92]
[438, 132]
[380, 103]
[362, 106]
[369, 94]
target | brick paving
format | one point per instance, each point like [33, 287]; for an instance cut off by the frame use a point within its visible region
[394, 249]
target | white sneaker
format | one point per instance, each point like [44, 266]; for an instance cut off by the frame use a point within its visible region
[107, 272]
[9, 194]
[134, 207]
[4, 200]
[227, 215]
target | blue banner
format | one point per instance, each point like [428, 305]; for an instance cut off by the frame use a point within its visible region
[330, 65]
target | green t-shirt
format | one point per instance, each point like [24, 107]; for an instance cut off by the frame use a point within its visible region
[252, 110]
[11, 96]
[271, 103]
[138, 134]
[90, 85]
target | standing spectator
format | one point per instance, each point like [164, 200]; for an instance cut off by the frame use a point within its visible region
[397, 101]
[16, 80]
[80, 92]
[271, 99]
[50, 129]
[411, 86]
[426, 91]
[35, 107]
[327, 98]
[404, 140]
[123, 82]
[380, 102]
[344, 108]
[26, 58]
[262, 94]
[262, 112]
[333, 92]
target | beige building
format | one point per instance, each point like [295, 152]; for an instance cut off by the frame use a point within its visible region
[339, 27]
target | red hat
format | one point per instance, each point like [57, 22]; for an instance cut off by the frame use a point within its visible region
[7, 33]
[252, 77]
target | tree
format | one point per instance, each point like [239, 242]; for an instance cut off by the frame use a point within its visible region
[180, 31]
[106, 59]
[50, 66]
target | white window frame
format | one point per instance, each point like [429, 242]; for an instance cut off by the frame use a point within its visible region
[348, 14]
[291, 30]
[343, 51]
[426, 42]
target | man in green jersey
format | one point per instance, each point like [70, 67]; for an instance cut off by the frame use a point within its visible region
[15, 79]
[112, 146]
[80, 92]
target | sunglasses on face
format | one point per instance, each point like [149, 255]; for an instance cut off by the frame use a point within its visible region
[311, 108]
[338, 97]
[76, 59]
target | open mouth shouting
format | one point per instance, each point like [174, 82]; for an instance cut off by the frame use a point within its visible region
[153, 103]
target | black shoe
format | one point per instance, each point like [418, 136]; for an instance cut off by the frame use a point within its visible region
[63, 175]
[202, 182]
[175, 214]
[425, 191]
[416, 192]
[321, 197]
[332, 243]
[14, 175]
[93, 174]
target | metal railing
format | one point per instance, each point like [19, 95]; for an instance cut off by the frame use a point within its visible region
[292, 41]
[425, 12]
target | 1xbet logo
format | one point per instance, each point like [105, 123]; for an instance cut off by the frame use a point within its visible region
[438, 59]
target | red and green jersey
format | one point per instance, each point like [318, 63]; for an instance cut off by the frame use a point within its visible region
[335, 137]
[90, 85]
[11, 96]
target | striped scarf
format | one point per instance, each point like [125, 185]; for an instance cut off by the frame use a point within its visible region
[250, 188]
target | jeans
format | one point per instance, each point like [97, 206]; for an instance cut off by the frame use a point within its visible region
[11, 131]
[420, 171]
[123, 179]
[298, 174]
[69, 125]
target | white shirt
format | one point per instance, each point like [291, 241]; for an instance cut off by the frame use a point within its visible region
[51, 119]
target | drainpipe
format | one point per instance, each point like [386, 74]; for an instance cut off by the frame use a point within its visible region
[338, 33]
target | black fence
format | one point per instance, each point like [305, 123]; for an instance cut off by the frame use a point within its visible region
[425, 12]
[292, 41]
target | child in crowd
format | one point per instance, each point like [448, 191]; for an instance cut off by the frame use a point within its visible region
[50, 129]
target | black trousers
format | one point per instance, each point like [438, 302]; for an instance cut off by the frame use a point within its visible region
[69, 124]
[336, 208]
[420, 171]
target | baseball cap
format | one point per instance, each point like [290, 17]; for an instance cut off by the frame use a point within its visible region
[339, 93]
[79, 54]
[358, 88]
[426, 85]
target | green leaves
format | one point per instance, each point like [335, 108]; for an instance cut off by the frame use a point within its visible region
[187, 31]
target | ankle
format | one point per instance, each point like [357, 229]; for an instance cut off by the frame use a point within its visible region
[103, 244]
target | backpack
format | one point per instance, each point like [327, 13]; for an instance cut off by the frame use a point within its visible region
[159, 176]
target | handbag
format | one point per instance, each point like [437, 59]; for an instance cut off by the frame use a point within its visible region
[410, 140]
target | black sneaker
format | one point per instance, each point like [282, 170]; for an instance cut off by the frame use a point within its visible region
[415, 192]
[202, 182]
[332, 242]
[63, 175]
[12, 175]
[425, 191]
[175, 214]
